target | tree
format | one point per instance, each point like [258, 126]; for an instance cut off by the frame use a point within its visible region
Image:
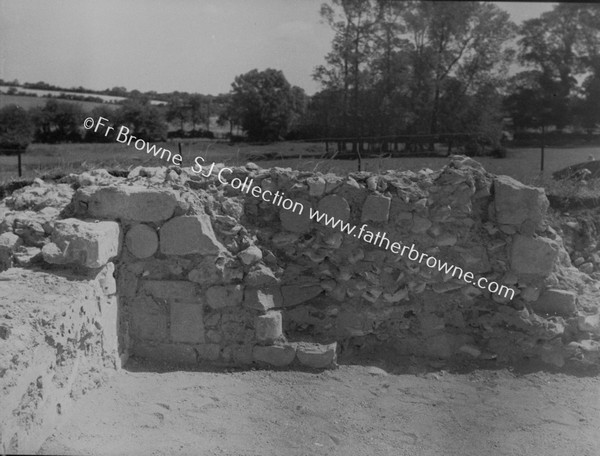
[16, 128]
[462, 40]
[393, 62]
[264, 103]
[353, 22]
[114, 120]
[532, 102]
[194, 103]
[557, 47]
[144, 120]
[178, 110]
[58, 121]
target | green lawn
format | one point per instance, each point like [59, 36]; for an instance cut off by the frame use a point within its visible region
[522, 164]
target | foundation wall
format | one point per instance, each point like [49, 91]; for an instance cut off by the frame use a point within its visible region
[216, 269]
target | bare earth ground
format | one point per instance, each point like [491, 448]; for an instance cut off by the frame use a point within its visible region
[349, 411]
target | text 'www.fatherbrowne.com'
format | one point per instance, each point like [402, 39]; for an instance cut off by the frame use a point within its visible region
[380, 239]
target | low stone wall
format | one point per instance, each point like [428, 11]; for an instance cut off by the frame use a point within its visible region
[207, 272]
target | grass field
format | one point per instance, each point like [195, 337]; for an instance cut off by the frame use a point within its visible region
[31, 102]
[40, 159]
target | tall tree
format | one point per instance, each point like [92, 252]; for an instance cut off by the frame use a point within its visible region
[558, 47]
[197, 115]
[353, 22]
[58, 121]
[144, 120]
[462, 40]
[264, 103]
[16, 128]
[178, 109]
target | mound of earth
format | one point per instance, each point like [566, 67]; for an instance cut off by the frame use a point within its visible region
[593, 166]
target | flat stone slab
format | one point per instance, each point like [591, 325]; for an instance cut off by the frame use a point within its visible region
[534, 256]
[137, 203]
[275, 355]
[517, 203]
[189, 234]
[556, 302]
[317, 356]
[376, 208]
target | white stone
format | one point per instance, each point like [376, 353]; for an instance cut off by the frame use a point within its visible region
[250, 255]
[269, 327]
[317, 356]
[275, 355]
[517, 203]
[90, 244]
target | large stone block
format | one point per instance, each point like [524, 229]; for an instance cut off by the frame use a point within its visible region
[175, 290]
[376, 208]
[186, 322]
[317, 356]
[149, 319]
[517, 203]
[242, 355]
[556, 302]
[299, 293]
[297, 218]
[88, 244]
[137, 203]
[335, 207]
[10, 241]
[172, 353]
[269, 327]
[186, 235]
[589, 323]
[224, 296]
[142, 241]
[275, 355]
[534, 256]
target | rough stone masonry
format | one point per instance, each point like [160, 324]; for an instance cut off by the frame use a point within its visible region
[208, 273]
[185, 269]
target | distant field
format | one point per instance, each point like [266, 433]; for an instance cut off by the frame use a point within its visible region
[30, 102]
[522, 164]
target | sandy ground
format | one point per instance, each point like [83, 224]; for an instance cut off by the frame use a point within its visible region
[354, 410]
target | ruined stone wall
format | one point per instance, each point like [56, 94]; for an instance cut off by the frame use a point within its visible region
[210, 273]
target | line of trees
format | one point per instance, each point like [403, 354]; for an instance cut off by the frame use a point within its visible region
[428, 68]
[435, 68]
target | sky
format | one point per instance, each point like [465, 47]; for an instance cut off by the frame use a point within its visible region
[167, 45]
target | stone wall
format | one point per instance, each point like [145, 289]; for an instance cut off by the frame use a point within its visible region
[207, 273]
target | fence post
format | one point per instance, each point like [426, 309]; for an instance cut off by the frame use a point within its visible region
[19, 163]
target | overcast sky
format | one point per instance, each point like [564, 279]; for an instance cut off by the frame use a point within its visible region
[167, 45]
